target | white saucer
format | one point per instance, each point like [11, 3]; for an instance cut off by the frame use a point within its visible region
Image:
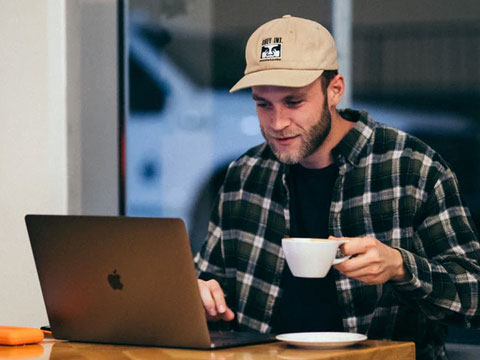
[322, 340]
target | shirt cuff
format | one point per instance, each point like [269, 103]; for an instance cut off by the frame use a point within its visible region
[420, 284]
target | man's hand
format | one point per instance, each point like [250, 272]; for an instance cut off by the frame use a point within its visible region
[213, 300]
[373, 262]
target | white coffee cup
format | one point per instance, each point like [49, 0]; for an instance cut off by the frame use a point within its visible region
[311, 257]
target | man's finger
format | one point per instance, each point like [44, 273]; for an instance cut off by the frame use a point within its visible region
[228, 315]
[218, 297]
[213, 299]
[356, 246]
[207, 298]
[353, 264]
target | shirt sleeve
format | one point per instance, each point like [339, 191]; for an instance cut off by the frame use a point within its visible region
[210, 261]
[446, 275]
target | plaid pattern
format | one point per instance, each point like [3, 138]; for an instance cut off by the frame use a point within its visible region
[391, 186]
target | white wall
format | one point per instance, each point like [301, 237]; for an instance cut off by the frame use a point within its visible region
[40, 133]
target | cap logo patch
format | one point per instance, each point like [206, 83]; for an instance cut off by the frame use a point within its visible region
[271, 49]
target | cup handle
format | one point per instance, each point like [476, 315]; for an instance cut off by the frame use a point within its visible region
[340, 260]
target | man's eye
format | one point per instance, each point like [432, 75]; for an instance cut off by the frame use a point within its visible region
[293, 103]
[262, 105]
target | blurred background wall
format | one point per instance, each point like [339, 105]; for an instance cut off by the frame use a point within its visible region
[59, 121]
[33, 173]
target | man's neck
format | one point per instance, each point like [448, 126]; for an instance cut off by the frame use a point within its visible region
[322, 157]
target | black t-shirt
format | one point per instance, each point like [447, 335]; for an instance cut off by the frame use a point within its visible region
[309, 304]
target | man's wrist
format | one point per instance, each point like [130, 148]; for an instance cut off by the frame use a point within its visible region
[401, 274]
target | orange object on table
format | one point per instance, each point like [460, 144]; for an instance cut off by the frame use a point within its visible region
[16, 335]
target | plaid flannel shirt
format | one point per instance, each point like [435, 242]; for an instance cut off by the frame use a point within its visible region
[390, 186]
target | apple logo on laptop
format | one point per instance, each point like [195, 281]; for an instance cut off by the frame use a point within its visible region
[114, 281]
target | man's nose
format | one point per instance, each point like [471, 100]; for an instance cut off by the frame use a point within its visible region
[280, 119]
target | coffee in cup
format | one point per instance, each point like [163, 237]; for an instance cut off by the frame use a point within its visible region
[311, 257]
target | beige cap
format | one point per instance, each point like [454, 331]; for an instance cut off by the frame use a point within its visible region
[289, 51]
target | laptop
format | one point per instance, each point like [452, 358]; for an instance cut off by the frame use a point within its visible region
[123, 280]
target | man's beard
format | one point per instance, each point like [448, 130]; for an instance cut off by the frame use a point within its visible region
[312, 139]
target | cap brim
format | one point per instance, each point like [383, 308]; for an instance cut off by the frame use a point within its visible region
[278, 77]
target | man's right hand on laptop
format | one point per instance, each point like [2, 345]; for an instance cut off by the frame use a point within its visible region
[213, 299]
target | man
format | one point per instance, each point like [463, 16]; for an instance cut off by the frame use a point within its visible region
[323, 172]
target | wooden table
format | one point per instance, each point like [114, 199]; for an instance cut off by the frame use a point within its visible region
[52, 349]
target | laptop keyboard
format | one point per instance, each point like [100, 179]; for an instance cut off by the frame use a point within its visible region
[233, 338]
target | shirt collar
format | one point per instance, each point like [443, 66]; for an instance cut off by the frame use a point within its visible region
[355, 141]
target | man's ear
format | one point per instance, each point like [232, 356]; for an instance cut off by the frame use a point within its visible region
[335, 90]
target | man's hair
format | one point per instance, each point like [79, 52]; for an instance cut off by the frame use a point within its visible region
[326, 77]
